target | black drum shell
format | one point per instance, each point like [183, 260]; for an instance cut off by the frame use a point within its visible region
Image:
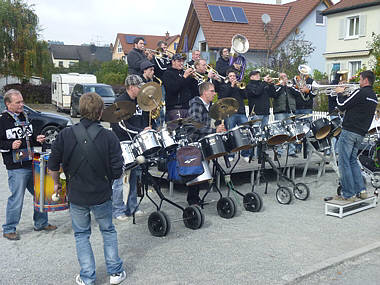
[239, 139]
[320, 128]
[336, 126]
[213, 146]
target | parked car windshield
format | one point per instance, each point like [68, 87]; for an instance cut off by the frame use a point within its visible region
[103, 91]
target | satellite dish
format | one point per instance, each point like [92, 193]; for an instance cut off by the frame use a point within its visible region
[265, 18]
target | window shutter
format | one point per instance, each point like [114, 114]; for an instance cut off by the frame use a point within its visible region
[342, 29]
[362, 25]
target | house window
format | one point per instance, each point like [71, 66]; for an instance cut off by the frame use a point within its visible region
[60, 63]
[175, 46]
[203, 46]
[119, 48]
[71, 63]
[354, 67]
[353, 26]
[319, 18]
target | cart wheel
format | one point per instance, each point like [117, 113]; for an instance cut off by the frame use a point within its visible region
[158, 224]
[252, 202]
[339, 190]
[301, 191]
[202, 215]
[168, 223]
[226, 207]
[284, 195]
[192, 217]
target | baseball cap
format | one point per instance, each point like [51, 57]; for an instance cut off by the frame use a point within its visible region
[253, 72]
[146, 64]
[133, 80]
[179, 56]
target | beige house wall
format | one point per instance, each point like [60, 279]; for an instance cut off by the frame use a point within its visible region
[171, 46]
[65, 62]
[118, 55]
[341, 49]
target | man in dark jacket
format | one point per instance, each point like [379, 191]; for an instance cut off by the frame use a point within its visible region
[89, 185]
[126, 130]
[15, 140]
[136, 56]
[178, 89]
[360, 106]
[223, 62]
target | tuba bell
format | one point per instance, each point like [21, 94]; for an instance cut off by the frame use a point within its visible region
[239, 46]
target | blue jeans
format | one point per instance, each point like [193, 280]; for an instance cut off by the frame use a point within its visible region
[18, 181]
[350, 174]
[118, 206]
[237, 120]
[292, 147]
[81, 223]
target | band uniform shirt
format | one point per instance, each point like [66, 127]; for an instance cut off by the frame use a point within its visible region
[85, 187]
[178, 89]
[306, 104]
[10, 131]
[360, 108]
[222, 65]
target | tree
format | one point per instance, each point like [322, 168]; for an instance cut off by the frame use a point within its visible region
[18, 35]
[293, 53]
[112, 72]
[374, 45]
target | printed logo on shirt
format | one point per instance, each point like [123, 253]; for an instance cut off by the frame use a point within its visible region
[138, 110]
[19, 132]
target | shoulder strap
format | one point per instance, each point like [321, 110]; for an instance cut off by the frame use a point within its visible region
[91, 153]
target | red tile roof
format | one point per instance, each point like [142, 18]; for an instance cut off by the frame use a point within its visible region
[345, 5]
[284, 19]
[151, 41]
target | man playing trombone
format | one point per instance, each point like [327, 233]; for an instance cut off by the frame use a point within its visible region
[136, 56]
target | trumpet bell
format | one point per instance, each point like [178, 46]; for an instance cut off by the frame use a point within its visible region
[239, 43]
[304, 69]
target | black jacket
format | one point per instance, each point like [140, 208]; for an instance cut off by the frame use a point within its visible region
[258, 93]
[134, 58]
[127, 129]
[178, 89]
[222, 66]
[86, 187]
[308, 103]
[360, 108]
[285, 99]
[9, 132]
[225, 90]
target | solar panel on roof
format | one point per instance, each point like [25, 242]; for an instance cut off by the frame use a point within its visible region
[130, 39]
[240, 15]
[215, 13]
[227, 13]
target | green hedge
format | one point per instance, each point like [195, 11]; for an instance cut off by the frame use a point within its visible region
[32, 94]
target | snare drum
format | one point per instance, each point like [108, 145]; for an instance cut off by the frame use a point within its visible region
[336, 126]
[239, 138]
[129, 152]
[167, 140]
[44, 187]
[213, 146]
[148, 142]
[321, 128]
[275, 133]
[296, 131]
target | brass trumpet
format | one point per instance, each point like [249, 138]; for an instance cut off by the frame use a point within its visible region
[199, 77]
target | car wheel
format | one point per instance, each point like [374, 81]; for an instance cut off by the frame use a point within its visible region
[50, 133]
[73, 112]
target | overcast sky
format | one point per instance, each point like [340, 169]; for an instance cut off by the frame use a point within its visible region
[98, 21]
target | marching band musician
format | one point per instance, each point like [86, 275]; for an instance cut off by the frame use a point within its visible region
[195, 55]
[223, 62]
[359, 107]
[284, 105]
[178, 89]
[303, 106]
[199, 111]
[230, 89]
[147, 69]
[161, 63]
[15, 139]
[91, 158]
[136, 56]
[201, 68]
[258, 93]
[126, 131]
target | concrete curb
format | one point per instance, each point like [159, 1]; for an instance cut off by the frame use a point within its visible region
[293, 278]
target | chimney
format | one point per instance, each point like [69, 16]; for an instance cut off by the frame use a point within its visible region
[166, 35]
[278, 2]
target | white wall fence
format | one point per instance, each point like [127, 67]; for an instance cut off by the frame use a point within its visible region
[316, 114]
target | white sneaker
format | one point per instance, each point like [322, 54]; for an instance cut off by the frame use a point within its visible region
[118, 277]
[79, 280]
[122, 218]
[246, 158]
[139, 213]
